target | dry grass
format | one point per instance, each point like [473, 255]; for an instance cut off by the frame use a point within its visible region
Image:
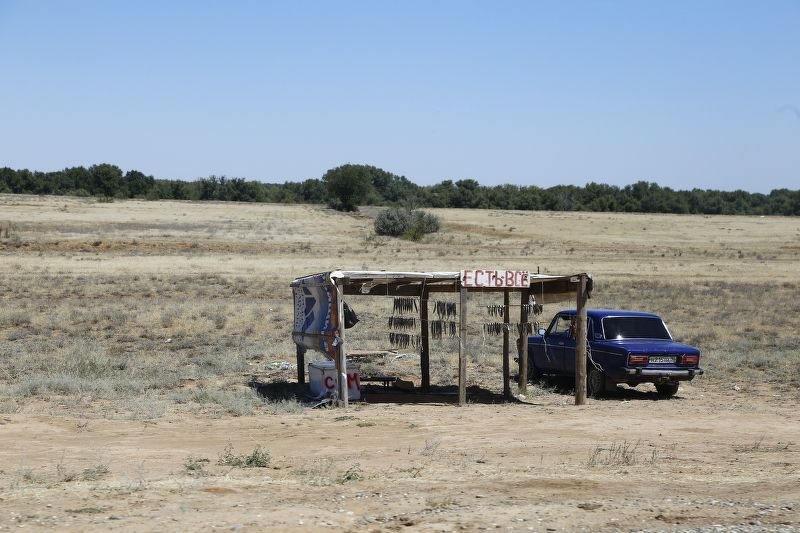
[132, 309]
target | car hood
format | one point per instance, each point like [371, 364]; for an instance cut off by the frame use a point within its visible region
[648, 345]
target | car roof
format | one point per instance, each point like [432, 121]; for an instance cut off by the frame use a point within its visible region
[603, 313]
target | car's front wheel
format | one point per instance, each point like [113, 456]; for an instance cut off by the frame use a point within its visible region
[667, 390]
[534, 374]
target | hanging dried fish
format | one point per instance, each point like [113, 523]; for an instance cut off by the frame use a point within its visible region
[533, 308]
[440, 328]
[494, 328]
[497, 310]
[402, 323]
[445, 309]
[404, 340]
[404, 305]
[524, 328]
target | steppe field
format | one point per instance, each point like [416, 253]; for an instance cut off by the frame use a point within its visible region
[146, 376]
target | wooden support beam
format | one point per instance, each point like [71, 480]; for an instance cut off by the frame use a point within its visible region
[580, 343]
[341, 352]
[462, 348]
[547, 291]
[301, 364]
[425, 351]
[522, 381]
[506, 355]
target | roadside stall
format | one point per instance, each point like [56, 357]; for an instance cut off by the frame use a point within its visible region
[321, 316]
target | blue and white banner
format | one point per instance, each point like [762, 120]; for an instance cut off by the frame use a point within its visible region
[316, 324]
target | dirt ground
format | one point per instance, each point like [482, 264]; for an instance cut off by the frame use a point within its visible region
[706, 460]
[129, 332]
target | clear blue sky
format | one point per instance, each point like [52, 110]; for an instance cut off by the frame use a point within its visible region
[683, 93]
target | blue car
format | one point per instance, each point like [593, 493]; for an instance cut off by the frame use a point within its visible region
[624, 347]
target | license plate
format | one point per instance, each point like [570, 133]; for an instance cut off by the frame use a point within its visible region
[662, 359]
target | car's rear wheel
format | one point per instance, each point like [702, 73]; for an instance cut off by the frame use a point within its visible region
[595, 380]
[667, 390]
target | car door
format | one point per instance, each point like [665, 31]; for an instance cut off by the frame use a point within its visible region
[556, 340]
[568, 351]
[568, 355]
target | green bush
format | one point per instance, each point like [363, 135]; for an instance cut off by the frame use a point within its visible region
[406, 223]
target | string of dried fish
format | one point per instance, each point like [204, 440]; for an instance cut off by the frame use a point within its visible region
[527, 327]
[497, 328]
[402, 322]
[534, 308]
[445, 309]
[441, 327]
[404, 340]
[404, 305]
[496, 310]
[494, 328]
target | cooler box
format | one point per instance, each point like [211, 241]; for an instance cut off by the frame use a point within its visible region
[322, 379]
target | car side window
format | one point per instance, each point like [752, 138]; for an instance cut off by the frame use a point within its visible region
[561, 326]
[596, 332]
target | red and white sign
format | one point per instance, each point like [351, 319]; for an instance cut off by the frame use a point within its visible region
[496, 278]
[322, 379]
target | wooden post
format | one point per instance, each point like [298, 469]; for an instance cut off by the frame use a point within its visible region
[506, 355]
[462, 349]
[522, 381]
[425, 351]
[301, 364]
[580, 344]
[341, 352]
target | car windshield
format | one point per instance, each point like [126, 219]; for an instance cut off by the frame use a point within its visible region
[634, 327]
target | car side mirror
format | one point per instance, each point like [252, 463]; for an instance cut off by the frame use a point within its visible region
[541, 331]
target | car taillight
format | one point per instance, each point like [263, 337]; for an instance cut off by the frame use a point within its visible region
[689, 359]
[637, 359]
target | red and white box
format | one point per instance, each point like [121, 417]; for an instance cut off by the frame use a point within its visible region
[322, 379]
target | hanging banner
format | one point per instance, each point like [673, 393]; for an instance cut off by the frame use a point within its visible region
[316, 324]
[519, 279]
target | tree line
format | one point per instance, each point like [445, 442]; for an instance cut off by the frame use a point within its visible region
[347, 186]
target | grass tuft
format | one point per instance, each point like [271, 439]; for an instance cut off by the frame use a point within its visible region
[351, 474]
[258, 458]
[759, 446]
[196, 466]
[615, 454]
[431, 448]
